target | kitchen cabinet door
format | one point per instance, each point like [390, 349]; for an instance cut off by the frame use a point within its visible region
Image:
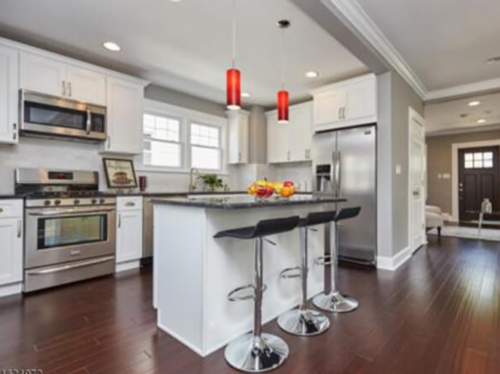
[361, 101]
[301, 132]
[328, 106]
[86, 85]
[238, 122]
[278, 135]
[129, 236]
[124, 108]
[9, 95]
[11, 250]
[43, 75]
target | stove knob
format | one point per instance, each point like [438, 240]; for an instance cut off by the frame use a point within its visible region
[94, 201]
[102, 201]
[57, 202]
[76, 202]
[47, 202]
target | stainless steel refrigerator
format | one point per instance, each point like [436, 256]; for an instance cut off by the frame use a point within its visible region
[344, 163]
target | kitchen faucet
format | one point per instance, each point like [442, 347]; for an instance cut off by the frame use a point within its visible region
[192, 183]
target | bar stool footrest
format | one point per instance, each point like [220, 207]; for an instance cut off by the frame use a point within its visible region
[288, 273]
[232, 296]
[324, 261]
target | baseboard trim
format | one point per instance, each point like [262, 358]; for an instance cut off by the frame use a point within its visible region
[183, 341]
[11, 289]
[394, 262]
[128, 266]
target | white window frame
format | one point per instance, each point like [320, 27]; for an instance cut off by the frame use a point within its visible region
[181, 142]
[187, 116]
[220, 146]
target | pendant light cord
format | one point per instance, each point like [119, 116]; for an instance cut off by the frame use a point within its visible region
[282, 58]
[234, 33]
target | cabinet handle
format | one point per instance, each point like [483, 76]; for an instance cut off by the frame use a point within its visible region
[343, 112]
[19, 229]
[130, 203]
[70, 89]
[239, 157]
[1, 210]
[119, 220]
[340, 113]
[14, 136]
[109, 141]
[64, 88]
[14, 126]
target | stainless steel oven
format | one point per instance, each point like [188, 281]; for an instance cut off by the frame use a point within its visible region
[57, 117]
[70, 228]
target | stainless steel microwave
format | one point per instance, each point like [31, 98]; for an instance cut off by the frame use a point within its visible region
[57, 117]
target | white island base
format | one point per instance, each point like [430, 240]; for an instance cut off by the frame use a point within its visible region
[193, 272]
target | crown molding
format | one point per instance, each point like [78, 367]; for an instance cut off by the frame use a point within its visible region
[464, 90]
[356, 15]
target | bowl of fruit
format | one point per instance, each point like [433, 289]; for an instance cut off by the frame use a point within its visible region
[263, 189]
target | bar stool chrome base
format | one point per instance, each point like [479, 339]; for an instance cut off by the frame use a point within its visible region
[254, 354]
[303, 322]
[335, 302]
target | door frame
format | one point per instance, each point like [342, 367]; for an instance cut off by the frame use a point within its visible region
[455, 147]
[413, 115]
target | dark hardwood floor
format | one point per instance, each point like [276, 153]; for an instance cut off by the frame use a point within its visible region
[438, 314]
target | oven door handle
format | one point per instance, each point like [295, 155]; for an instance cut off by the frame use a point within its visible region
[69, 211]
[71, 267]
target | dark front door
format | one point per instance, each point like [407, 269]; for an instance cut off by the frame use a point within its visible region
[478, 180]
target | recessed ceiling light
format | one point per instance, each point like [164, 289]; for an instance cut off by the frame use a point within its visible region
[474, 103]
[493, 60]
[175, 1]
[481, 120]
[112, 46]
[246, 94]
[312, 74]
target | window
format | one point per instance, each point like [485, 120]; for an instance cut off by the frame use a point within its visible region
[205, 142]
[479, 160]
[162, 141]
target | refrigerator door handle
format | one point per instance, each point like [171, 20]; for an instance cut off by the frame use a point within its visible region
[339, 174]
[335, 173]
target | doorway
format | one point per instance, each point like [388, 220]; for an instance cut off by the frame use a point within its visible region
[416, 181]
[478, 179]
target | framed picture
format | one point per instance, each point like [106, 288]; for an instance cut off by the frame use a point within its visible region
[120, 173]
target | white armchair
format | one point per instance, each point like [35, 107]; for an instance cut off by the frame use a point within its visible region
[434, 218]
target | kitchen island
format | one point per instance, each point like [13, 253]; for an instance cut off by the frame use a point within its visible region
[193, 272]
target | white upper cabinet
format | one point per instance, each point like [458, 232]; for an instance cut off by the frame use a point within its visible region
[44, 75]
[86, 85]
[238, 123]
[9, 95]
[344, 104]
[125, 105]
[302, 132]
[290, 142]
[52, 77]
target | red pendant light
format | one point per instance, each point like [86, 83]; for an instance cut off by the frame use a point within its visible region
[283, 105]
[233, 89]
[283, 96]
[233, 75]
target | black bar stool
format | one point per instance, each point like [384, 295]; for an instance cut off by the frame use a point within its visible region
[257, 352]
[304, 321]
[335, 301]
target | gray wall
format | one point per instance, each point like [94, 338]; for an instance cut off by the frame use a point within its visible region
[439, 161]
[403, 97]
[184, 100]
[395, 97]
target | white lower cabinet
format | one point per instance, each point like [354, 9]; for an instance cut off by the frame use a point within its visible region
[128, 233]
[11, 247]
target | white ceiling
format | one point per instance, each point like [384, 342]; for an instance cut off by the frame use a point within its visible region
[445, 42]
[458, 116]
[186, 46]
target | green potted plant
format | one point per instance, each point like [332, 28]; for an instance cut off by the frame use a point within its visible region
[212, 183]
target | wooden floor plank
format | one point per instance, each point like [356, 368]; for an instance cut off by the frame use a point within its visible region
[438, 314]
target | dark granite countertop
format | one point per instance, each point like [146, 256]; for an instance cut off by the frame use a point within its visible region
[245, 202]
[11, 197]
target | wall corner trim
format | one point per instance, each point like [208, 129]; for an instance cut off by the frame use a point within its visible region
[394, 262]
